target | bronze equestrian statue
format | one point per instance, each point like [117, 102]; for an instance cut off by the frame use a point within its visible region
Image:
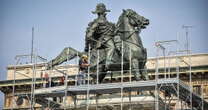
[106, 38]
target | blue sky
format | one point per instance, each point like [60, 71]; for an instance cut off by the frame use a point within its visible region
[62, 23]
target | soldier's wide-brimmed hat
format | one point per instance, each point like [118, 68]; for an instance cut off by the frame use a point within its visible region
[100, 8]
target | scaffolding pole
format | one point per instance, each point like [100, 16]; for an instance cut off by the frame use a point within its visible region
[33, 81]
[156, 78]
[122, 74]
[66, 84]
[88, 79]
[178, 77]
[130, 74]
[186, 27]
[65, 91]
[98, 57]
[14, 81]
[76, 78]
[202, 97]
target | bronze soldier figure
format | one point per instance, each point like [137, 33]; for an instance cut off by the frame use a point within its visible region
[100, 33]
[100, 30]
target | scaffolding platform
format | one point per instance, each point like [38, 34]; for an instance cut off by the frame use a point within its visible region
[168, 85]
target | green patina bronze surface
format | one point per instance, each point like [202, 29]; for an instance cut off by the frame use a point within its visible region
[106, 38]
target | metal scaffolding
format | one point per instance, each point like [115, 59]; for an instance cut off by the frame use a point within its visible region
[30, 97]
[165, 90]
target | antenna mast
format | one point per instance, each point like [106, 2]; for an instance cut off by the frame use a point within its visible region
[32, 45]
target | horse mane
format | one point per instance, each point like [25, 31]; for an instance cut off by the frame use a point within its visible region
[120, 20]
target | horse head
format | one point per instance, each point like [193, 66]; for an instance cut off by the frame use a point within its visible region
[135, 19]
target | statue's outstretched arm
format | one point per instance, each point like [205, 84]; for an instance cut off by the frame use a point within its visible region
[67, 54]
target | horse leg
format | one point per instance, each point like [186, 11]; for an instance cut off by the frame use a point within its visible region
[135, 67]
[101, 77]
[102, 73]
[67, 54]
[142, 66]
[143, 71]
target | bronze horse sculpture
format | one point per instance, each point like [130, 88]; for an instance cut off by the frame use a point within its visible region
[126, 35]
[128, 28]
